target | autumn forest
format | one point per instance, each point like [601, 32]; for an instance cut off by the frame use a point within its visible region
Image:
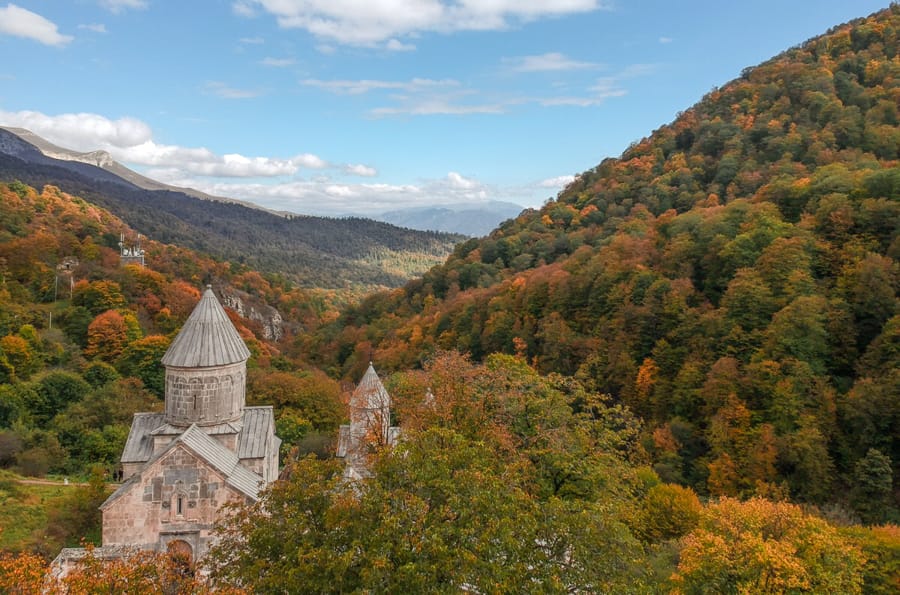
[681, 375]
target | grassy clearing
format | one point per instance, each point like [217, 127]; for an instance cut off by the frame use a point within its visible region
[23, 510]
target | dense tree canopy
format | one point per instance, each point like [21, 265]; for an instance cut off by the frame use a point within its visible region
[733, 278]
[497, 483]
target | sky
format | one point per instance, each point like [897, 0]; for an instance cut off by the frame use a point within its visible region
[335, 107]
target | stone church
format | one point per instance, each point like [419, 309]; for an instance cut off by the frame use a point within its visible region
[207, 449]
[370, 425]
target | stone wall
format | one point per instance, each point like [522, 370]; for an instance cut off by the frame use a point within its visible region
[205, 396]
[177, 498]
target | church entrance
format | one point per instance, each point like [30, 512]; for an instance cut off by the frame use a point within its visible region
[179, 548]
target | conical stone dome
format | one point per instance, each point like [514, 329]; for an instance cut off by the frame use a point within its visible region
[208, 338]
[370, 392]
[206, 368]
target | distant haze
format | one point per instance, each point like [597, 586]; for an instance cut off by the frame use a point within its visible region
[468, 219]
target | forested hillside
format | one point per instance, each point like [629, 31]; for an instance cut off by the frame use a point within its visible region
[314, 252]
[81, 339]
[681, 376]
[732, 278]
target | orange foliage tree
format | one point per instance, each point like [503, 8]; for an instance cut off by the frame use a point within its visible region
[107, 336]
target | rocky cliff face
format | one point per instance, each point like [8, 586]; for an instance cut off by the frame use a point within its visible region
[252, 309]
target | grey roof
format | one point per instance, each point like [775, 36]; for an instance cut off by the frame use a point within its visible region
[207, 339]
[370, 393]
[214, 454]
[223, 460]
[106, 552]
[343, 441]
[254, 431]
[139, 445]
[258, 423]
[167, 429]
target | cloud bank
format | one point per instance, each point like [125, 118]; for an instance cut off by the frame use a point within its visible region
[384, 21]
[304, 183]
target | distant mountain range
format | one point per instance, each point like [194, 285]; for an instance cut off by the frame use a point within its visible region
[320, 252]
[471, 219]
[22, 142]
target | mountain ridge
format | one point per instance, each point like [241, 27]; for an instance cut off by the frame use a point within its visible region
[100, 159]
[347, 254]
[471, 219]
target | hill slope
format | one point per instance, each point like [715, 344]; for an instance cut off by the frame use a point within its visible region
[733, 278]
[312, 251]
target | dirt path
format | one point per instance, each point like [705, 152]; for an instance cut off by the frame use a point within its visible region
[64, 483]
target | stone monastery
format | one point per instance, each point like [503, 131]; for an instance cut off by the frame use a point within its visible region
[208, 448]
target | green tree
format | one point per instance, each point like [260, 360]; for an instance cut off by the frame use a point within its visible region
[141, 359]
[881, 549]
[872, 487]
[98, 373]
[667, 511]
[313, 395]
[98, 296]
[438, 514]
[54, 392]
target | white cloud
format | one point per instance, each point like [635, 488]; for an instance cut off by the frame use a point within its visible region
[557, 182]
[243, 8]
[81, 132]
[95, 27]
[437, 107]
[375, 21]
[131, 141]
[277, 62]
[416, 97]
[430, 97]
[18, 22]
[398, 46]
[458, 181]
[359, 87]
[603, 89]
[325, 196]
[117, 6]
[361, 170]
[220, 89]
[304, 183]
[665, 40]
[550, 62]
[252, 40]
[310, 161]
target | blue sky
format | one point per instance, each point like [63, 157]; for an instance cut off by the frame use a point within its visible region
[362, 106]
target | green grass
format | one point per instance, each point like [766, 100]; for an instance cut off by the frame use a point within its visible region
[23, 510]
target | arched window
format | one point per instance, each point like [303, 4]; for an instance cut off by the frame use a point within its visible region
[178, 503]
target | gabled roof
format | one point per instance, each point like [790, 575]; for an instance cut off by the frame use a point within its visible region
[370, 392]
[207, 339]
[213, 453]
[222, 459]
[258, 423]
[139, 445]
[254, 430]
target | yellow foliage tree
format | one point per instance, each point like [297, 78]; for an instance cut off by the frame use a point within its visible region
[760, 546]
